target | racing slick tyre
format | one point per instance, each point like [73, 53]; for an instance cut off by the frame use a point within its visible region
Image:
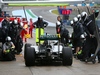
[30, 57]
[67, 56]
[25, 48]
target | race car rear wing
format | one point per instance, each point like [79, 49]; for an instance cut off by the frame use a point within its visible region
[49, 37]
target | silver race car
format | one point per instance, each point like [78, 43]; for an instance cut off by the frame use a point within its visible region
[50, 50]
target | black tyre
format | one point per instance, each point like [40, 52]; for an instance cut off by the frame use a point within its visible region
[67, 56]
[30, 57]
[25, 48]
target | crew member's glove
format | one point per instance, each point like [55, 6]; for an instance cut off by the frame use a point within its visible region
[45, 25]
[12, 47]
[35, 26]
[92, 36]
[6, 51]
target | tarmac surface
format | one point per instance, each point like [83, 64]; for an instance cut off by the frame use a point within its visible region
[18, 67]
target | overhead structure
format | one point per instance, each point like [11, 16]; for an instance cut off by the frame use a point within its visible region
[39, 1]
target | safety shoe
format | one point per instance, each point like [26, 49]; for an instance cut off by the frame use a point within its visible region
[83, 60]
[75, 55]
[98, 61]
[14, 59]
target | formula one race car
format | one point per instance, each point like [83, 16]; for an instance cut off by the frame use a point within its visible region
[50, 50]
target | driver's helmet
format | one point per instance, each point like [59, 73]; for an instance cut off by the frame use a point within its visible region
[84, 15]
[8, 39]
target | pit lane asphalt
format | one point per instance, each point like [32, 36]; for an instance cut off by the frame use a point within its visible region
[18, 67]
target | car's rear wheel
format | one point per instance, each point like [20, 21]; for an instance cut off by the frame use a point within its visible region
[25, 48]
[30, 57]
[67, 56]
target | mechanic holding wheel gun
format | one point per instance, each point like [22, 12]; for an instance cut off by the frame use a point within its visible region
[8, 50]
[91, 41]
[77, 32]
[62, 30]
[15, 30]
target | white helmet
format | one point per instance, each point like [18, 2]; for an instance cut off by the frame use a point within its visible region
[40, 17]
[71, 22]
[75, 19]
[21, 24]
[79, 17]
[82, 36]
[8, 38]
[15, 21]
[84, 15]
[58, 23]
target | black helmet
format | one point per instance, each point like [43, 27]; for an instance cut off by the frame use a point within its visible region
[40, 18]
